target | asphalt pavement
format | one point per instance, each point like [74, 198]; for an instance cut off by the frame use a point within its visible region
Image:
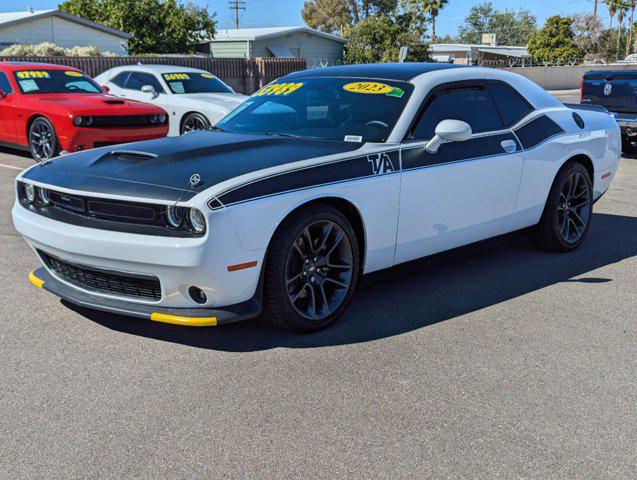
[493, 361]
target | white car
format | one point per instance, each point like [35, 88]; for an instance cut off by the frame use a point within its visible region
[320, 177]
[194, 99]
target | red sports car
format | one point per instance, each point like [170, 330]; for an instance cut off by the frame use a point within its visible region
[52, 109]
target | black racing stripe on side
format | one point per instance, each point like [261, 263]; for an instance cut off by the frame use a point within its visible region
[473, 148]
[537, 131]
[340, 171]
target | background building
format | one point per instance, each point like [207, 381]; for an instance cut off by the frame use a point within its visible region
[283, 42]
[63, 29]
[465, 54]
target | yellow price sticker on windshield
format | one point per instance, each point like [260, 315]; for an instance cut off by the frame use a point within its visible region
[33, 74]
[373, 88]
[207, 75]
[278, 89]
[176, 76]
[72, 73]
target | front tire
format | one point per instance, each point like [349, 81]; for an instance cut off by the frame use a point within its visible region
[194, 121]
[567, 215]
[43, 142]
[312, 268]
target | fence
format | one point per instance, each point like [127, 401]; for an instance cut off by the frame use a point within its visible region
[245, 75]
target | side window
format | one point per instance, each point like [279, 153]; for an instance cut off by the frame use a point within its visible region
[469, 104]
[120, 79]
[137, 80]
[4, 83]
[510, 103]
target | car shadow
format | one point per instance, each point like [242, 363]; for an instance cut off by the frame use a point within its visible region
[420, 293]
[16, 151]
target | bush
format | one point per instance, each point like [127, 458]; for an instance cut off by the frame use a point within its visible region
[47, 49]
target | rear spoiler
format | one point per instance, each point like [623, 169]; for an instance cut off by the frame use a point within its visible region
[587, 106]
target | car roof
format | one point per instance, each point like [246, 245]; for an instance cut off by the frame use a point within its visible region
[145, 67]
[386, 71]
[13, 66]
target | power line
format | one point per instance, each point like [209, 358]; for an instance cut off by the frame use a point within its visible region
[236, 6]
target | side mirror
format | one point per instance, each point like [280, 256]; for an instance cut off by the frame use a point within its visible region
[106, 89]
[3, 94]
[150, 89]
[449, 131]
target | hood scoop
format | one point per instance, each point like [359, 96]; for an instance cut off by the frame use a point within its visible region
[114, 102]
[132, 156]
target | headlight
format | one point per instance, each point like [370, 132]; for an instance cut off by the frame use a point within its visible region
[197, 220]
[88, 121]
[77, 121]
[153, 118]
[162, 118]
[29, 189]
[174, 216]
[44, 196]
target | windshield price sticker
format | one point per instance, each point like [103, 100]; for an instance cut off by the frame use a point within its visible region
[72, 73]
[207, 75]
[176, 76]
[33, 74]
[278, 89]
[374, 88]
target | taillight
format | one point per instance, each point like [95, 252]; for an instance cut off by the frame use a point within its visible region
[581, 91]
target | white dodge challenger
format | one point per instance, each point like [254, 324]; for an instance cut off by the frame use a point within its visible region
[318, 178]
[193, 98]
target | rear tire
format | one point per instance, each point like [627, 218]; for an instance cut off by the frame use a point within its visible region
[568, 211]
[312, 267]
[43, 141]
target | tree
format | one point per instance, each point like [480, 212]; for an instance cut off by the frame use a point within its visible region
[587, 31]
[378, 38]
[612, 10]
[337, 16]
[554, 42]
[157, 26]
[510, 27]
[434, 7]
[331, 16]
[631, 5]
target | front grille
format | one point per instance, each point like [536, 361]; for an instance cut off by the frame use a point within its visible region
[105, 209]
[111, 121]
[104, 281]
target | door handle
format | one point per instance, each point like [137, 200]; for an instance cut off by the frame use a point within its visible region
[509, 146]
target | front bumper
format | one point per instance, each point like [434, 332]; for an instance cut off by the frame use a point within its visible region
[192, 317]
[86, 138]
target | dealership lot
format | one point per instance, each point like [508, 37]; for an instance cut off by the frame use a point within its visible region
[496, 360]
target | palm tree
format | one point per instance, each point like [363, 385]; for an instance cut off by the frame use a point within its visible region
[434, 7]
[620, 19]
[630, 26]
[612, 10]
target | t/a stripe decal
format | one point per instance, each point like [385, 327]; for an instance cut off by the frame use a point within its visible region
[537, 131]
[351, 169]
[526, 137]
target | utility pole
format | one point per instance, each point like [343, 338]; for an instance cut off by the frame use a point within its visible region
[237, 5]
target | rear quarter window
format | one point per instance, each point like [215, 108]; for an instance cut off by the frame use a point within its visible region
[512, 106]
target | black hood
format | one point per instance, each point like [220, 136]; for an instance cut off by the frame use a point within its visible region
[161, 169]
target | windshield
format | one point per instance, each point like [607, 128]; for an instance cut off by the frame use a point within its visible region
[345, 109]
[195, 82]
[55, 81]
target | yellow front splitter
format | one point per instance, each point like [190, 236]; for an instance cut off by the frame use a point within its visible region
[187, 321]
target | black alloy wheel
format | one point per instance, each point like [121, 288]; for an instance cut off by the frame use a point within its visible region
[568, 212]
[43, 142]
[194, 121]
[312, 268]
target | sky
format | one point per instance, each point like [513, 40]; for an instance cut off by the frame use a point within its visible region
[272, 13]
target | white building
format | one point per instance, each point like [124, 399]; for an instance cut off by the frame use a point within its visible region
[63, 29]
[466, 54]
